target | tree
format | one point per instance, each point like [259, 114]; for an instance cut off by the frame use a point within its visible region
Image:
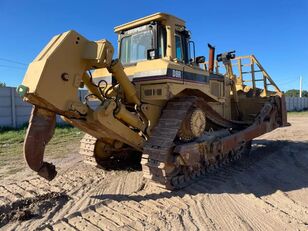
[2, 84]
[295, 93]
[292, 93]
[305, 93]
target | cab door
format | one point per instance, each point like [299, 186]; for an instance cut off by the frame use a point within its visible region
[191, 73]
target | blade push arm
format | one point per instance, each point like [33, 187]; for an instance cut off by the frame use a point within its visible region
[60, 67]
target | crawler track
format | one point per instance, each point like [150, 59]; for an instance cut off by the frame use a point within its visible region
[159, 160]
[87, 147]
[125, 158]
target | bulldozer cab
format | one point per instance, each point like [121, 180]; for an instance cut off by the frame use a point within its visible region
[158, 36]
[157, 45]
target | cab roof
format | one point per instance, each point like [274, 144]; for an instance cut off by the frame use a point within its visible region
[167, 19]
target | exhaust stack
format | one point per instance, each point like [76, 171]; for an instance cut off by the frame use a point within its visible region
[211, 58]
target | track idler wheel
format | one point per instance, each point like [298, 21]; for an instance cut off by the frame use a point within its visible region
[40, 130]
[193, 126]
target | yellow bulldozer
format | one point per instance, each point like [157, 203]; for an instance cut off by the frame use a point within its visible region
[160, 105]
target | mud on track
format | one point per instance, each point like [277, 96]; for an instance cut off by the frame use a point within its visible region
[266, 191]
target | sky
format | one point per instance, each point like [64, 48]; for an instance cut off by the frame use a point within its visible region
[275, 31]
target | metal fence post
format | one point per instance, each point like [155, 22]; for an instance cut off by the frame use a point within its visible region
[13, 107]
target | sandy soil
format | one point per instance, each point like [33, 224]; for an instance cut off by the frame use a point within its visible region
[266, 191]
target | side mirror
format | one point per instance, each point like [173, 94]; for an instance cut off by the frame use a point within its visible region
[152, 54]
[200, 59]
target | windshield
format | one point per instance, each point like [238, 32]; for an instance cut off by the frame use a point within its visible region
[134, 47]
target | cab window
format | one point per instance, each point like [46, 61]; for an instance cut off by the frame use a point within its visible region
[178, 47]
[134, 47]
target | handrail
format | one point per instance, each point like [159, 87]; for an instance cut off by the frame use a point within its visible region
[255, 66]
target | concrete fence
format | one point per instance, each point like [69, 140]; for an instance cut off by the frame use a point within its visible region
[14, 112]
[296, 103]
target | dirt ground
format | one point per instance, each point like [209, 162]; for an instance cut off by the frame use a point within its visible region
[266, 191]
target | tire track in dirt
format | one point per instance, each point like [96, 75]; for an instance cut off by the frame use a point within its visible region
[37, 186]
[296, 212]
[80, 184]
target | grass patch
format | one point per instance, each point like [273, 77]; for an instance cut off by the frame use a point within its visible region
[65, 141]
[13, 136]
[298, 113]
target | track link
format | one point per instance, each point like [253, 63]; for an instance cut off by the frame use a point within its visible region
[87, 147]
